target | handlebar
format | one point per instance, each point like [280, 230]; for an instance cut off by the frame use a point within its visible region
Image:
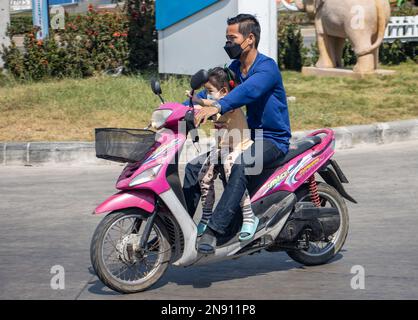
[190, 126]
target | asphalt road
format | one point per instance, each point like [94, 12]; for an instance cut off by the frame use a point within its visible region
[45, 220]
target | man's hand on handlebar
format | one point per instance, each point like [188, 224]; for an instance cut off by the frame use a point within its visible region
[205, 113]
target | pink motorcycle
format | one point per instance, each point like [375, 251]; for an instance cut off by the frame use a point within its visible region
[148, 227]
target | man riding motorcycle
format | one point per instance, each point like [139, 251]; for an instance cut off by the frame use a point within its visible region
[262, 91]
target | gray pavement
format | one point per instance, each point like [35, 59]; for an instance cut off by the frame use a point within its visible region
[45, 220]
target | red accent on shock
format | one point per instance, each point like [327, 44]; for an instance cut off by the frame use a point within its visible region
[313, 189]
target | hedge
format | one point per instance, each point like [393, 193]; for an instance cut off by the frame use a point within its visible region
[98, 42]
[91, 43]
[293, 56]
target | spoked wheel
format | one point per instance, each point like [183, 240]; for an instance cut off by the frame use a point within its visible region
[320, 252]
[117, 258]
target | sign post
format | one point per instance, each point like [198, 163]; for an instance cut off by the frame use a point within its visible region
[40, 17]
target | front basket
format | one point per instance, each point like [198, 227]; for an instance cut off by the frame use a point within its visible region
[123, 145]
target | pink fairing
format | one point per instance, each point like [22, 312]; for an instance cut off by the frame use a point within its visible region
[293, 174]
[128, 199]
[179, 110]
[169, 141]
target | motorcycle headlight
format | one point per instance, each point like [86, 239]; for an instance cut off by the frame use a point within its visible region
[146, 176]
[159, 117]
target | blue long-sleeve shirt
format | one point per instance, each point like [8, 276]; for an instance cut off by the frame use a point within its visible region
[263, 94]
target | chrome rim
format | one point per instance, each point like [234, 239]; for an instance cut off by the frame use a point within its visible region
[122, 257]
[319, 248]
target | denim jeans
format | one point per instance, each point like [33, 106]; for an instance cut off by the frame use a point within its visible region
[229, 204]
[191, 186]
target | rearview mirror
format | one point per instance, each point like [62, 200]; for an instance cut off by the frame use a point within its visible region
[156, 87]
[199, 79]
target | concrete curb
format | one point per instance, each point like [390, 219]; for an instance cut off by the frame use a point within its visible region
[70, 153]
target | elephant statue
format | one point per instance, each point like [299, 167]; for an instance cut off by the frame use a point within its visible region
[363, 22]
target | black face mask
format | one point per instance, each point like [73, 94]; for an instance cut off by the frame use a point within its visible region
[233, 49]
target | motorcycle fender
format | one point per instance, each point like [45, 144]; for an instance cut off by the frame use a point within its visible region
[144, 200]
[330, 177]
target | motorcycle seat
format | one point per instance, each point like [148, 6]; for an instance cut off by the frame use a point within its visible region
[296, 148]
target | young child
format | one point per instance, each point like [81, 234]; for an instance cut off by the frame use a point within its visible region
[232, 137]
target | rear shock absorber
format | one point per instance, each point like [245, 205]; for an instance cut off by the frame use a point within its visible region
[313, 190]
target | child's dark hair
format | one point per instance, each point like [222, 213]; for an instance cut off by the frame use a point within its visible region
[222, 77]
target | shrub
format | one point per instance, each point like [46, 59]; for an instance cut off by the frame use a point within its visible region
[90, 43]
[291, 53]
[389, 54]
[97, 42]
[142, 36]
[20, 24]
[407, 9]
[396, 52]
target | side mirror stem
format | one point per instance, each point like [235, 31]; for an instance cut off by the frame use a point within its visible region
[191, 99]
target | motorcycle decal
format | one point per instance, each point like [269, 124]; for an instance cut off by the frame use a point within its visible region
[291, 179]
[162, 150]
[292, 174]
[276, 182]
[306, 168]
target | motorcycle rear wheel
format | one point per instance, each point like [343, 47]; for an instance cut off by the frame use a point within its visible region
[125, 253]
[309, 258]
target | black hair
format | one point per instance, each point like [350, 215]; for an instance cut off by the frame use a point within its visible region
[222, 77]
[247, 24]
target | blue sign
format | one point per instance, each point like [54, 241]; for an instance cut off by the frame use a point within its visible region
[56, 2]
[169, 12]
[40, 17]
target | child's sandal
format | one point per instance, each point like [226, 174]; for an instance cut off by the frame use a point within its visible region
[248, 230]
[201, 227]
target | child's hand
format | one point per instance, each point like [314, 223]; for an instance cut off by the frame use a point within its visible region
[188, 94]
[207, 102]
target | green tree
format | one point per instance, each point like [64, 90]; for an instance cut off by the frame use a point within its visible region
[142, 36]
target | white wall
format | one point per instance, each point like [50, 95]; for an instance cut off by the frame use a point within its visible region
[266, 13]
[197, 42]
[4, 20]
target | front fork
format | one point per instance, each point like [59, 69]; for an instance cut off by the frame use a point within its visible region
[143, 243]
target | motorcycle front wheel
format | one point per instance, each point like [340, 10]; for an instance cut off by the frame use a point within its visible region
[117, 258]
